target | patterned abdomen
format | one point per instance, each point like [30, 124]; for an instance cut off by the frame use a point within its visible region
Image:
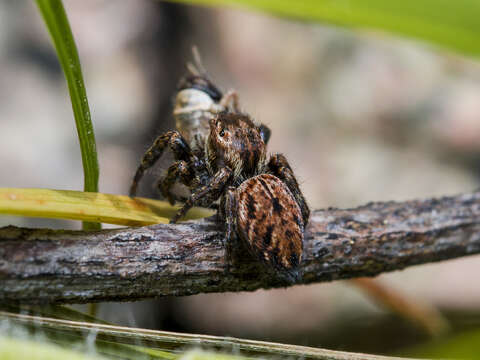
[270, 220]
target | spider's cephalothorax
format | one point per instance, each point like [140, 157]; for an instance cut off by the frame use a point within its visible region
[235, 142]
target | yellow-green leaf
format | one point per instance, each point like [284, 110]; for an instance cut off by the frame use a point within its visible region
[85, 206]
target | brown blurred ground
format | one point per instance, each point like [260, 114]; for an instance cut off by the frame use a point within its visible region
[361, 117]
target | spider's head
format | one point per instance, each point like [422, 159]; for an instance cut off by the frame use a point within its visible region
[235, 141]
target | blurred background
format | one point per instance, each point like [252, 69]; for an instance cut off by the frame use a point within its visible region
[360, 116]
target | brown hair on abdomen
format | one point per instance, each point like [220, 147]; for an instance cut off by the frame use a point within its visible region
[269, 219]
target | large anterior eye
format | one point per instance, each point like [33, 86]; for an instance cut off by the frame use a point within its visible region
[222, 133]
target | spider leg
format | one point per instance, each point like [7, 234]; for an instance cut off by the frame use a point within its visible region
[178, 146]
[278, 166]
[229, 215]
[211, 206]
[207, 193]
[265, 133]
[230, 100]
[179, 169]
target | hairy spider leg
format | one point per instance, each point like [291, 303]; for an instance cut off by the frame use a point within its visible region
[176, 143]
[265, 133]
[230, 101]
[279, 166]
[228, 213]
[179, 169]
[207, 193]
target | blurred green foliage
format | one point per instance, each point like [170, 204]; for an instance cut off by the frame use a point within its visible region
[459, 346]
[449, 24]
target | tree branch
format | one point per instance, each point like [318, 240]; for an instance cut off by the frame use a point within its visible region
[56, 266]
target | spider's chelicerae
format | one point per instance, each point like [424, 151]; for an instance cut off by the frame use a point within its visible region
[260, 199]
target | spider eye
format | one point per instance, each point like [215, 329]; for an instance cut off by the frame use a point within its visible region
[222, 133]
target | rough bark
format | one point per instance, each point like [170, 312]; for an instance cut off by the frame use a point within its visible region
[52, 266]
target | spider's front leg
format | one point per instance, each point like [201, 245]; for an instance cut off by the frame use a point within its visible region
[178, 146]
[207, 193]
[279, 166]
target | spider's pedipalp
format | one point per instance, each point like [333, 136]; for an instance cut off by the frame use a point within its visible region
[235, 141]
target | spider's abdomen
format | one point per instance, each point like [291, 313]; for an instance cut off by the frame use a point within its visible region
[270, 220]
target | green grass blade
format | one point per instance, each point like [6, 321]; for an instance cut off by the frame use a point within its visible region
[57, 23]
[449, 24]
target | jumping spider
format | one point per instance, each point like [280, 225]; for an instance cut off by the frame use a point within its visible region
[220, 154]
[260, 199]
